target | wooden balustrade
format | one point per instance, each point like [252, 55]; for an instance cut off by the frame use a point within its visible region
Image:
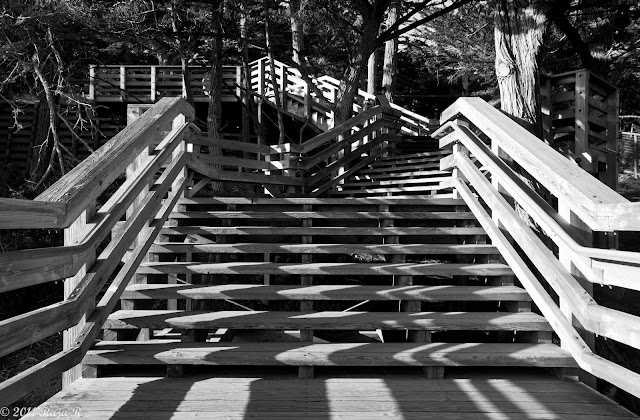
[585, 205]
[70, 203]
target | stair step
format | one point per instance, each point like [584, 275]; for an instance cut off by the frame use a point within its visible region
[322, 231]
[412, 200]
[329, 269]
[396, 182]
[330, 354]
[401, 168]
[400, 175]
[329, 215]
[285, 320]
[416, 155]
[326, 292]
[396, 189]
[405, 162]
[249, 248]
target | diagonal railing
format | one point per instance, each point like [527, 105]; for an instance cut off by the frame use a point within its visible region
[574, 211]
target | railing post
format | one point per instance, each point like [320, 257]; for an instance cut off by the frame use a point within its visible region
[153, 75]
[261, 87]
[581, 133]
[307, 100]
[72, 236]
[92, 82]
[332, 114]
[546, 99]
[284, 79]
[564, 256]
[612, 139]
[123, 83]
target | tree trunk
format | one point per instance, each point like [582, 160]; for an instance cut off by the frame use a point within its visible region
[214, 117]
[186, 77]
[272, 72]
[519, 28]
[297, 29]
[350, 83]
[390, 56]
[250, 107]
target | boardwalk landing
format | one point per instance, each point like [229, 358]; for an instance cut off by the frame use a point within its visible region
[399, 396]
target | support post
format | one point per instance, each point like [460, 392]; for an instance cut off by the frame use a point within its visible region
[564, 210]
[73, 236]
[306, 335]
[581, 132]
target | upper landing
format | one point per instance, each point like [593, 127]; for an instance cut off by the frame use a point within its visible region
[146, 83]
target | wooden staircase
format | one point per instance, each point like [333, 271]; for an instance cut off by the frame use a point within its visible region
[411, 280]
[414, 169]
[325, 282]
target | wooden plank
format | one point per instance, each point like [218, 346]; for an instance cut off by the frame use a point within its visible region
[325, 268]
[240, 162]
[330, 231]
[413, 200]
[352, 320]
[334, 215]
[406, 162]
[441, 186]
[234, 145]
[208, 171]
[334, 354]
[259, 248]
[28, 214]
[395, 182]
[326, 292]
[407, 168]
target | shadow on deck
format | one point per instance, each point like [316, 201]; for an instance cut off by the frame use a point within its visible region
[275, 394]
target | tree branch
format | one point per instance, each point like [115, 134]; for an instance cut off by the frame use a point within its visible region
[388, 34]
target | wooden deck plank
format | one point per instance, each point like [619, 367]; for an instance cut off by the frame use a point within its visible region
[370, 269]
[416, 200]
[326, 292]
[326, 231]
[330, 215]
[249, 248]
[331, 354]
[202, 397]
[430, 321]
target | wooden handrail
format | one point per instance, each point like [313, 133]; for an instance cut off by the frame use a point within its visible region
[328, 136]
[585, 257]
[64, 201]
[507, 139]
[34, 266]
[598, 206]
[75, 194]
[600, 320]
[580, 351]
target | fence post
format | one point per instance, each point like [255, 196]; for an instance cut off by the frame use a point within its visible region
[92, 82]
[564, 255]
[581, 133]
[72, 236]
